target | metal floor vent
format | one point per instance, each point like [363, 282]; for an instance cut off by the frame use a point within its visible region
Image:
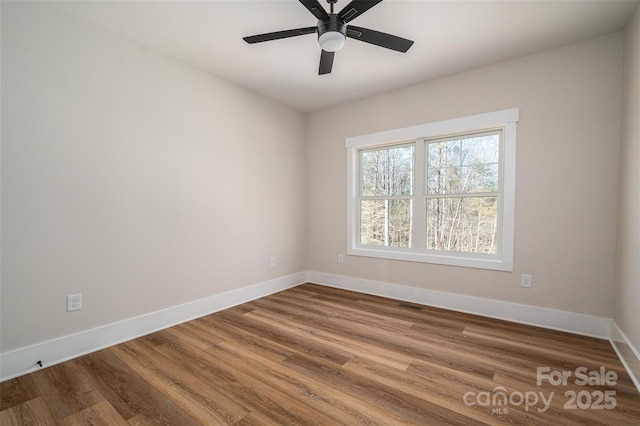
[414, 307]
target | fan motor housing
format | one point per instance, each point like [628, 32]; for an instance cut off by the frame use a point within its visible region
[333, 24]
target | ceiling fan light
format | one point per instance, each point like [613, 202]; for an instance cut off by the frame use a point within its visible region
[332, 41]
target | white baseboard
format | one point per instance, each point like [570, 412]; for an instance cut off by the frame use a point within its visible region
[571, 322]
[22, 361]
[628, 354]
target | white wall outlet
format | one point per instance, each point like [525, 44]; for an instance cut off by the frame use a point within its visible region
[341, 258]
[525, 280]
[272, 262]
[74, 302]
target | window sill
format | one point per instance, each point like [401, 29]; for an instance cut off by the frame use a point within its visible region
[461, 260]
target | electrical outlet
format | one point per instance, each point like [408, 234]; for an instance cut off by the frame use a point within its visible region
[74, 302]
[340, 258]
[272, 262]
[525, 280]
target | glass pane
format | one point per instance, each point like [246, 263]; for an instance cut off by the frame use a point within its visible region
[372, 218]
[481, 149]
[442, 154]
[462, 224]
[385, 222]
[400, 171]
[453, 182]
[435, 181]
[400, 223]
[447, 180]
[443, 173]
[387, 172]
[480, 178]
[373, 165]
[468, 165]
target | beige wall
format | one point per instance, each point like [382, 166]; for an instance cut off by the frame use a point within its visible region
[133, 179]
[627, 291]
[567, 174]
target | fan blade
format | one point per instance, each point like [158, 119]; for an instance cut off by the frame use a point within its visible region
[279, 34]
[379, 39]
[355, 9]
[316, 8]
[326, 62]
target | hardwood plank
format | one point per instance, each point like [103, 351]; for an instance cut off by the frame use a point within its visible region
[425, 315]
[244, 388]
[65, 389]
[198, 337]
[337, 310]
[290, 308]
[157, 338]
[200, 400]
[17, 391]
[101, 414]
[538, 345]
[255, 419]
[340, 406]
[377, 353]
[128, 392]
[225, 331]
[440, 346]
[33, 412]
[289, 340]
[329, 293]
[539, 337]
[398, 403]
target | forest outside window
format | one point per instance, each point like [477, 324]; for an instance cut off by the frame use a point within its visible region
[446, 196]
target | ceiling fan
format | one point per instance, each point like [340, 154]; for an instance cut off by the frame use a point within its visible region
[332, 30]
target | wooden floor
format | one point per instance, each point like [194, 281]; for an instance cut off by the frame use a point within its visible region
[316, 355]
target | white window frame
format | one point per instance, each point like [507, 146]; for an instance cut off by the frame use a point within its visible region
[505, 120]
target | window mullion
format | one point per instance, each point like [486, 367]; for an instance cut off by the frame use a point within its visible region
[418, 211]
[464, 195]
[385, 197]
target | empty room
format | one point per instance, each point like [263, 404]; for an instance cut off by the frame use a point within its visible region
[320, 212]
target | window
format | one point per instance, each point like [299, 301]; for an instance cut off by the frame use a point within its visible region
[462, 193]
[440, 193]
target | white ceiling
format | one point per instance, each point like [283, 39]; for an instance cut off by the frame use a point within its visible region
[450, 37]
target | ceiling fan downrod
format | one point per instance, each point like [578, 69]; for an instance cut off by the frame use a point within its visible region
[332, 2]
